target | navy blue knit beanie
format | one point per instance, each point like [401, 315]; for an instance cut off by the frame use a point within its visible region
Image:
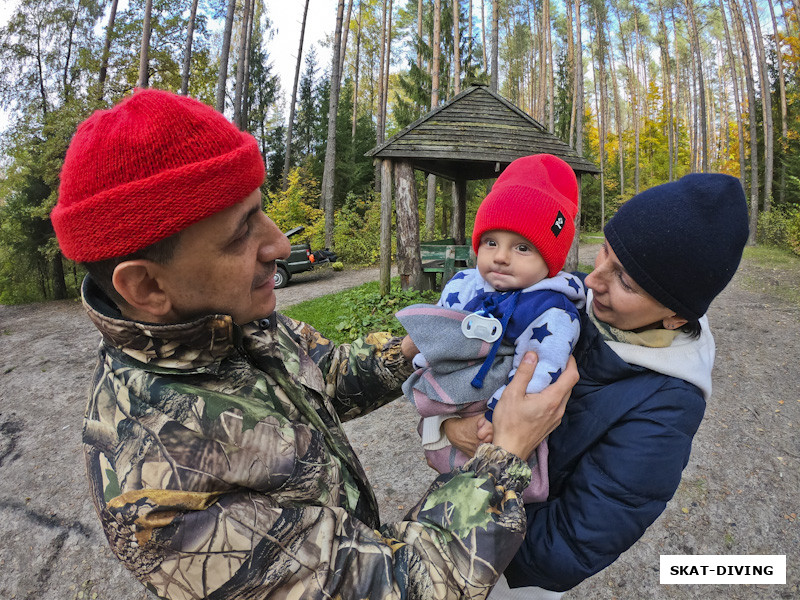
[682, 241]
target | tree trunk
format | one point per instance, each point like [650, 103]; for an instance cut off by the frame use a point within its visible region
[701, 86]
[617, 117]
[736, 97]
[345, 35]
[385, 100]
[59, 283]
[766, 104]
[784, 145]
[287, 161]
[664, 45]
[494, 81]
[225, 52]
[409, 265]
[571, 264]
[430, 201]
[386, 227]
[437, 52]
[551, 113]
[457, 47]
[483, 35]
[601, 112]
[419, 34]
[380, 134]
[187, 51]
[458, 222]
[107, 49]
[738, 19]
[578, 85]
[355, 77]
[328, 174]
[247, 68]
[144, 58]
[244, 29]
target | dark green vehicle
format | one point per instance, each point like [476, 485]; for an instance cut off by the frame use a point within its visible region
[300, 259]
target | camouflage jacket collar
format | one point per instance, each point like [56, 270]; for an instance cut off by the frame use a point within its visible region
[196, 346]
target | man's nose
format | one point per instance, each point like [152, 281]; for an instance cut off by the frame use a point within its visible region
[274, 244]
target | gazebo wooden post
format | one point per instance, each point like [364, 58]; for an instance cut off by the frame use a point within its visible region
[386, 227]
[409, 263]
[459, 221]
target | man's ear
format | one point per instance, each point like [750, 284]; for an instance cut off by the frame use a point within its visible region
[674, 322]
[138, 283]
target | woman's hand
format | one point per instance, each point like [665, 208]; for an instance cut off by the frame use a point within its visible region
[522, 421]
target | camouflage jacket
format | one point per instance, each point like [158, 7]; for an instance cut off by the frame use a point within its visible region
[219, 468]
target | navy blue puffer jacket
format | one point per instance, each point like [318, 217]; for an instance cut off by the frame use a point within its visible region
[615, 461]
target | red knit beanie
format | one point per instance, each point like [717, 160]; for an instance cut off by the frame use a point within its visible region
[147, 168]
[537, 197]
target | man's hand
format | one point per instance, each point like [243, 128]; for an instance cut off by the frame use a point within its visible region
[408, 348]
[522, 421]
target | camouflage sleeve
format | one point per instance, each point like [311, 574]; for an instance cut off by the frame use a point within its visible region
[187, 545]
[360, 376]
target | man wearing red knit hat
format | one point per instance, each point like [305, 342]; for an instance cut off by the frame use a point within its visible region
[517, 295]
[214, 449]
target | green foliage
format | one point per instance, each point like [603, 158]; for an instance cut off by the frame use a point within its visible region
[344, 316]
[793, 231]
[298, 205]
[372, 312]
[357, 230]
[780, 228]
[773, 228]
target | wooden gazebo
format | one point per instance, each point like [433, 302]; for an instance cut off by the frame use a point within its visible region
[473, 136]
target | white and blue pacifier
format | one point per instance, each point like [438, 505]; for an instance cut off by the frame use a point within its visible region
[486, 328]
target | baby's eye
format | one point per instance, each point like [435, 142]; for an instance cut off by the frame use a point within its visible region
[523, 248]
[491, 243]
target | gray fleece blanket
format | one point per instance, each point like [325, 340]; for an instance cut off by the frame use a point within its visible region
[450, 361]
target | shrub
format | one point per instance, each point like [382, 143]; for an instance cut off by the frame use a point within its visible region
[793, 231]
[780, 228]
[372, 312]
[298, 205]
[773, 228]
[357, 232]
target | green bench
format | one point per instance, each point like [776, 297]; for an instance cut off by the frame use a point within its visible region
[445, 258]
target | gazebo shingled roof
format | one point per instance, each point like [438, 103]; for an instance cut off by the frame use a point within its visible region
[475, 136]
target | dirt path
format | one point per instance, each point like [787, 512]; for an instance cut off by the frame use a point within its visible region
[739, 493]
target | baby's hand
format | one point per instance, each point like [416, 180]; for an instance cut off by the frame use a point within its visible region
[485, 431]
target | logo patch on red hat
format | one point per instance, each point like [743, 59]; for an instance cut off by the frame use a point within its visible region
[558, 225]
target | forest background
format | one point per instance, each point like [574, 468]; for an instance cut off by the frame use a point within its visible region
[647, 89]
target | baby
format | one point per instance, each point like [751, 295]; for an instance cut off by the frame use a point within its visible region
[517, 299]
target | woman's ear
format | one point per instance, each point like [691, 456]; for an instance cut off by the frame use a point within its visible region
[137, 282]
[674, 322]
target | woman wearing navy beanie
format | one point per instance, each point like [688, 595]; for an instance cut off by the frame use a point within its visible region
[645, 356]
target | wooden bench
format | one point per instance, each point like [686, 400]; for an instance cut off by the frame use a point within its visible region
[443, 257]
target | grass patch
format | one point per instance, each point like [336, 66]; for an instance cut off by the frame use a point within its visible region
[346, 315]
[772, 271]
[591, 237]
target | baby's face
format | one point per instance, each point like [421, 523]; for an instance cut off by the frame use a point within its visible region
[508, 261]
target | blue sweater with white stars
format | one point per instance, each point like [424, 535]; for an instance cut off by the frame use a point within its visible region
[544, 318]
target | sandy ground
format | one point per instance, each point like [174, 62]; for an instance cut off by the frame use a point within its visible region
[739, 494]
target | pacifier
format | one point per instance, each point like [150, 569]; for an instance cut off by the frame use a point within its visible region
[486, 328]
